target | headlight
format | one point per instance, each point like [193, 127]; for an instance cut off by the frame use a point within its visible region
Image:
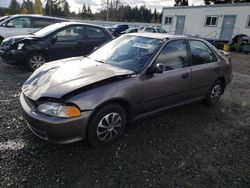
[20, 46]
[59, 110]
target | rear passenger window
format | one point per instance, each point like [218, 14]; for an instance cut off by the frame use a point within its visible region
[94, 33]
[201, 54]
[42, 22]
[174, 55]
[21, 22]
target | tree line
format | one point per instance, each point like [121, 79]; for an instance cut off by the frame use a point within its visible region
[26, 7]
[112, 10]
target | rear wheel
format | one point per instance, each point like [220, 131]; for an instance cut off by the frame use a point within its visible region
[214, 93]
[107, 125]
[35, 60]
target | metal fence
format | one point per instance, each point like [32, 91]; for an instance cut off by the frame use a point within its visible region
[111, 23]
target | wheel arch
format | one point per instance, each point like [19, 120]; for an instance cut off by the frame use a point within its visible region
[38, 51]
[120, 101]
[1, 39]
[223, 81]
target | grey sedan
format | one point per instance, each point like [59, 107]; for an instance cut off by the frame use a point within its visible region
[133, 76]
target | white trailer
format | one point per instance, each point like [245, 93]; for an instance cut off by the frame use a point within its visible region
[217, 22]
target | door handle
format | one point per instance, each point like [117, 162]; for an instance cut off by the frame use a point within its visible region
[184, 76]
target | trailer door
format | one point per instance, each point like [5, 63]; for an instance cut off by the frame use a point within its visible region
[227, 27]
[180, 22]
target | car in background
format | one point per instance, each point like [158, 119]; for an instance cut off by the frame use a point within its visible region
[24, 24]
[117, 29]
[133, 76]
[152, 30]
[130, 30]
[240, 43]
[57, 41]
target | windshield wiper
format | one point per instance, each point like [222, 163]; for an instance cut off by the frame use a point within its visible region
[100, 61]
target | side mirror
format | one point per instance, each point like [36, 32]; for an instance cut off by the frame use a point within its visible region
[158, 68]
[53, 39]
[10, 24]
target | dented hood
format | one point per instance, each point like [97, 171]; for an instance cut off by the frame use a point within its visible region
[59, 78]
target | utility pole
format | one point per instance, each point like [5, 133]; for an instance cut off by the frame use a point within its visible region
[107, 16]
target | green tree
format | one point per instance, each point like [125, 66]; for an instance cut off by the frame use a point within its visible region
[38, 7]
[14, 7]
[66, 10]
[3, 11]
[84, 11]
[181, 3]
[55, 7]
[27, 7]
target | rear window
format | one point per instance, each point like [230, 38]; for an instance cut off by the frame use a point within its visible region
[93, 32]
[42, 22]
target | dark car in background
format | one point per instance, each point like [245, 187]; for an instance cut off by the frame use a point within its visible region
[133, 76]
[57, 41]
[117, 29]
[24, 24]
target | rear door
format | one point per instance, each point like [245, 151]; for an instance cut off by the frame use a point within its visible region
[170, 87]
[204, 66]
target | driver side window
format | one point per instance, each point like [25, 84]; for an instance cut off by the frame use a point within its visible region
[173, 55]
[70, 34]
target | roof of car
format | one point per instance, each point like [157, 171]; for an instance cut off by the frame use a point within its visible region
[78, 23]
[37, 15]
[160, 36]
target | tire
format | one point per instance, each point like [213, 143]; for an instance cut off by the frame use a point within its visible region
[100, 132]
[35, 60]
[214, 93]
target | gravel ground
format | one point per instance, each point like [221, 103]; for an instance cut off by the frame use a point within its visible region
[191, 146]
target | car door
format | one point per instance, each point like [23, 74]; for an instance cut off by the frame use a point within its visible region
[170, 87]
[66, 42]
[204, 66]
[18, 26]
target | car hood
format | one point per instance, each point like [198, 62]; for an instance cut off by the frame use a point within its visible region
[59, 78]
[15, 39]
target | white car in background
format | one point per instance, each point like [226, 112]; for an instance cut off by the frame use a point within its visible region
[24, 24]
[146, 29]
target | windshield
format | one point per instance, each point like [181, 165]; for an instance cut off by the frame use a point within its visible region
[128, 52]
[3, 18]
[47, 30]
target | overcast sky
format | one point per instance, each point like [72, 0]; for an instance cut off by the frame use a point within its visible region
[96, 4]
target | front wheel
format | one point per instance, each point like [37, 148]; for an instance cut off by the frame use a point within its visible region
[107, 125]
[214, 93]
[36, 60]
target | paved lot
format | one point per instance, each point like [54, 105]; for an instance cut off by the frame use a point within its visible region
[191, 146]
